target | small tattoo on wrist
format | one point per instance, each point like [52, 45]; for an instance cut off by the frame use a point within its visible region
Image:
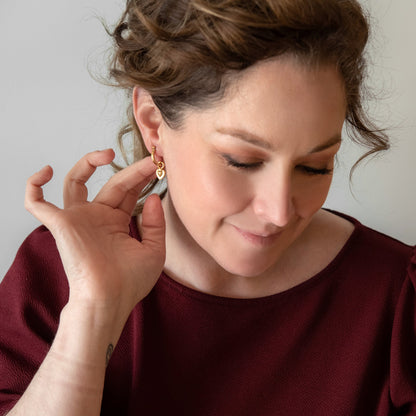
[110, 350]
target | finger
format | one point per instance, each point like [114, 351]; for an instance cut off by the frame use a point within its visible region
[130, 200]
[153, 224]
[134, 177]
[132, 196]
[34, 200]
[75, 190]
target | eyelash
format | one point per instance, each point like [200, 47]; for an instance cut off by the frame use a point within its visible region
[312, 171]
[252, 166]
[249, 166]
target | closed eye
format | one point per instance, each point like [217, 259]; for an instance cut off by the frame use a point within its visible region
[240, 165]
[313, 171]
[308, 170]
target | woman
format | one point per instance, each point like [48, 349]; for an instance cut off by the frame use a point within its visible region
[235, 293]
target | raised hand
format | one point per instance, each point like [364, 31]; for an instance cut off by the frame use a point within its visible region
[105, 267]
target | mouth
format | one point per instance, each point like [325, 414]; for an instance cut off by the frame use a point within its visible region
[258, 238]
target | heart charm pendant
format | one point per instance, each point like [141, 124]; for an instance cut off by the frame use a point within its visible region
[160, 173]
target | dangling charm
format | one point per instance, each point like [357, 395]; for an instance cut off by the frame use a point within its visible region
[160, 171]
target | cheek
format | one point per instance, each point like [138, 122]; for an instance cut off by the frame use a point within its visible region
[225, 189]
[207, 184]
[311, 195]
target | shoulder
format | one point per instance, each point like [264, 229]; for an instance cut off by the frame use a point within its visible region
[38, 244]
[37, 252]
[377, 246]
[36, 275]
[374, 255]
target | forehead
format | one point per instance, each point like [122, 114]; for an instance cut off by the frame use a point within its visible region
[286, 103]
[287, 77]
[282, 92]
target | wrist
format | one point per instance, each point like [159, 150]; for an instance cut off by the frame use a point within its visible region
[73, 371]
[85, 333]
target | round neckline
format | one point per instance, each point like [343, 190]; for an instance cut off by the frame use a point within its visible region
[166, 280]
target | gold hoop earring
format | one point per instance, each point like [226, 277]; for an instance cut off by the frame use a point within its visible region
[160, 171]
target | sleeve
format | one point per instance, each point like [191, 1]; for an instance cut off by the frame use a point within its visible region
[32, 295]
[403, 348]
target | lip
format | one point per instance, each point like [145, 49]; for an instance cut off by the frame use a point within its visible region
[258, 238]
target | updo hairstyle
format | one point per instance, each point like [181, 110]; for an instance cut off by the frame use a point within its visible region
[185, 52]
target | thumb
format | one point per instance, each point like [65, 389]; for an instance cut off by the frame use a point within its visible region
[153, 224]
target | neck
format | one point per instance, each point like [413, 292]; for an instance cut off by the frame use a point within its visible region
[186, 262]
[190, 265]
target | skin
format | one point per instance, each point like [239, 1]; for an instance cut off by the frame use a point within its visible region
[247, 179]
[222, 229]
[108, 272]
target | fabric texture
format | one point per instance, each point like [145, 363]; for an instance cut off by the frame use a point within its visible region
[341, 343]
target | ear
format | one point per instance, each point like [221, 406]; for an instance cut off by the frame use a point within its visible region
[148, 118]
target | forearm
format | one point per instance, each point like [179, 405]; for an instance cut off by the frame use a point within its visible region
[70, 381]
[108, 273]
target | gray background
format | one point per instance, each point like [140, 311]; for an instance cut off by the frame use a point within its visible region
[52, 111]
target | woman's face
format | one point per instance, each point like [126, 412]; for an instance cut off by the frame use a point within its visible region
[246, 177]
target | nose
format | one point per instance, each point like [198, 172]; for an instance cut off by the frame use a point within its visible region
[273, 200]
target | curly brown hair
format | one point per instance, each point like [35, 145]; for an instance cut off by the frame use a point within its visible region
[183, 51]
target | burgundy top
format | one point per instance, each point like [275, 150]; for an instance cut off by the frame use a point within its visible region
[341, 343]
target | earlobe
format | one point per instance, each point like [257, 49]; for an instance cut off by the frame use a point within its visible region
[148, 118]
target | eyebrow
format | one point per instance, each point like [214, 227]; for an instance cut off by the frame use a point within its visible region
[257, 141]
[331, 142]
[245, 136]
